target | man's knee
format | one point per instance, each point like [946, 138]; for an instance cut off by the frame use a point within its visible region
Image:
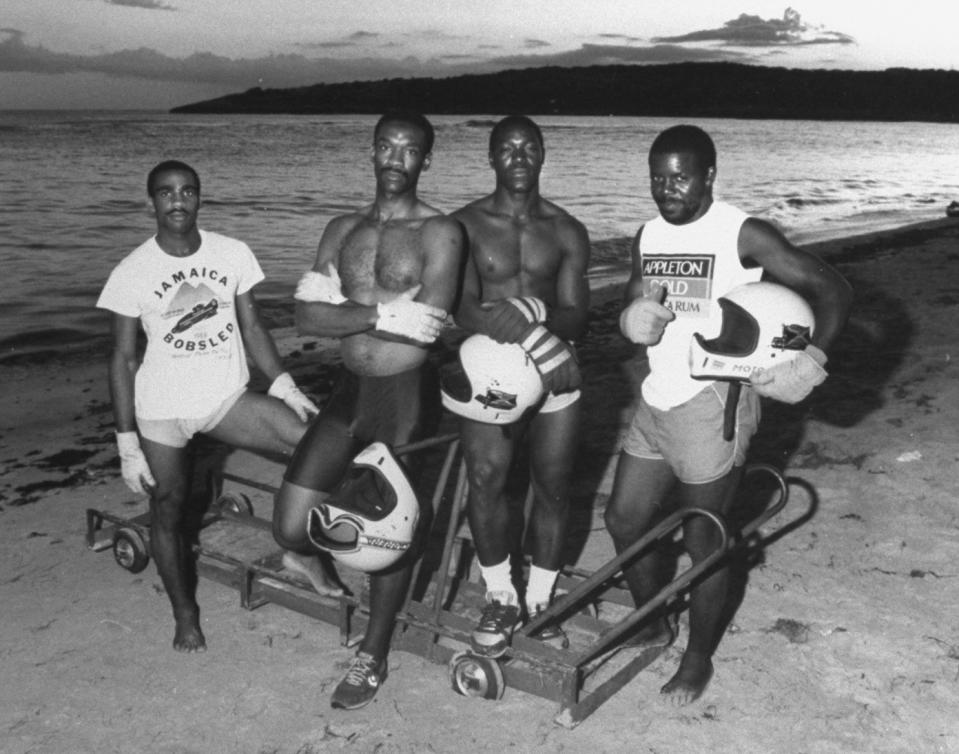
[486, 478]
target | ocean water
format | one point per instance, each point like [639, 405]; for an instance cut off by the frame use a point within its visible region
[73, 199]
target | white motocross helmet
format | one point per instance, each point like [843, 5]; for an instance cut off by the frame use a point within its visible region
[764, 324]
[493, 383]
[368, 522]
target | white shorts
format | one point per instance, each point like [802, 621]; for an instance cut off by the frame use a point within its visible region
[178, 432]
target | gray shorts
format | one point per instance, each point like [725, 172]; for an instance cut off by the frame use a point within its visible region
[177, 432]
[689, 437]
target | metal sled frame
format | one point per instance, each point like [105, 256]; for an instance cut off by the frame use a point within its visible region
[579, 678]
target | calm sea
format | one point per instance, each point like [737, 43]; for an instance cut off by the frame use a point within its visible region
[73, 202]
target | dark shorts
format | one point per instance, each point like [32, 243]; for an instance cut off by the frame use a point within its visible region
[397, 409]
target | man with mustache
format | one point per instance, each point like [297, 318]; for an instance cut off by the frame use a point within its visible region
[192, 292]
[385, 275]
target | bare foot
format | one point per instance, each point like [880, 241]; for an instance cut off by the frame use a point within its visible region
[311, 567]
[659, 633]
[694, 674]
[188, 636]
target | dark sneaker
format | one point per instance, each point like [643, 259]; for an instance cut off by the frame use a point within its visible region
[552, 633]
[361, 682]
[493, 633]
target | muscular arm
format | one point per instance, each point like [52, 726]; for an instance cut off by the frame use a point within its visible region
[123, 368]
[568, 316]
[827, 292]
[259, 343]
[330, 320]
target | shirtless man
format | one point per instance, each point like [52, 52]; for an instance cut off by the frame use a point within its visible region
[526, 255]
[383, 280]
[676, 441]
[192, 292]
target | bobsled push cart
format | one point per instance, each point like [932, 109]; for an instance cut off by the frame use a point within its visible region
[236, 548]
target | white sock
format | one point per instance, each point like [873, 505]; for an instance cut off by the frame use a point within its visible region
[498, 580]
[539, 589]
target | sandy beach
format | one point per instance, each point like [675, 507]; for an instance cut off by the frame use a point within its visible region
[846, 639]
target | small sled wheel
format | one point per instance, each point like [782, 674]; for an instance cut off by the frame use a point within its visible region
[476, 676]
[129, 550]
[235, 503]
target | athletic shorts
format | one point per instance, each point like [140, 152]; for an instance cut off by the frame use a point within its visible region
[558, 401]
[689, 437]
[396, 409]
[177, 432]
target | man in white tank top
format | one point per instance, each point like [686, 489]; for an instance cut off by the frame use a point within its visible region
[696, 251]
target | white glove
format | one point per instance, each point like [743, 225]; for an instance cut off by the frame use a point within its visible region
[317, 286]
[644, 320]
[286, 390]
[133, 464]
[554, 359]
[508, 319]
[793, 380]
[409, 318]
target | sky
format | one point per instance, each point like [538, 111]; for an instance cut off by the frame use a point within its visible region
[156, 54]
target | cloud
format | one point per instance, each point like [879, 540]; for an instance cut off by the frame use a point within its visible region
[753, 31]
[145, 4]
[532, 44]
[597, 54]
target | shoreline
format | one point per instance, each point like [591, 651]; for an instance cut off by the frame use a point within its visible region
[606, 279]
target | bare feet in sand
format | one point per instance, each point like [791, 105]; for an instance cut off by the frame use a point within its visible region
[311, 567]
[188, 636]
[694, 674]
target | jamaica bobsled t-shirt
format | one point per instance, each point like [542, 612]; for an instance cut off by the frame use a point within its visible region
[195, 357]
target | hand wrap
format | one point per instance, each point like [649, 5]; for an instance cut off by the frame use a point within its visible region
[410, 319]
[133, 464]
[644, 320]
[508, 319]
[319, 287]
[554, 359]
[286, 390]
[792, 380]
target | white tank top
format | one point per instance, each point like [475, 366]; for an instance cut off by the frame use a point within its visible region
[697, 263]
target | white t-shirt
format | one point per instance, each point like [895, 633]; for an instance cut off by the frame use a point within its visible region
[195, 357]
[697, 263]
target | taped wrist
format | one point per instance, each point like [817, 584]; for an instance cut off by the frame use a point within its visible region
[317, 287]
[545, 349]
[128, 443]
[281, 386]
[817, 354]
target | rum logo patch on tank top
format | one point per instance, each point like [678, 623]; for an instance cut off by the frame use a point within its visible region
[687, 278]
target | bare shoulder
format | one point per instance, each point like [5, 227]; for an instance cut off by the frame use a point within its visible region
[759, 240]
[445, 227]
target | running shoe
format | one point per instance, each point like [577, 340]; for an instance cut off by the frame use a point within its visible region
[493, 633]
[361, 682]
[552, 633]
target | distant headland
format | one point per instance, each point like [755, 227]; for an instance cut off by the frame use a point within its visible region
[704, 90]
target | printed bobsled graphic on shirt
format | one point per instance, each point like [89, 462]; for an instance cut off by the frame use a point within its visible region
[687, 278]
[198, 321]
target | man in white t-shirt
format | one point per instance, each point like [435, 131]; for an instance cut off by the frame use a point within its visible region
[192, 292]
[676, 450]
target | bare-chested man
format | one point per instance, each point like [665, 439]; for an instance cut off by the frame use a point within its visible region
[383, 280]
[527, 255]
